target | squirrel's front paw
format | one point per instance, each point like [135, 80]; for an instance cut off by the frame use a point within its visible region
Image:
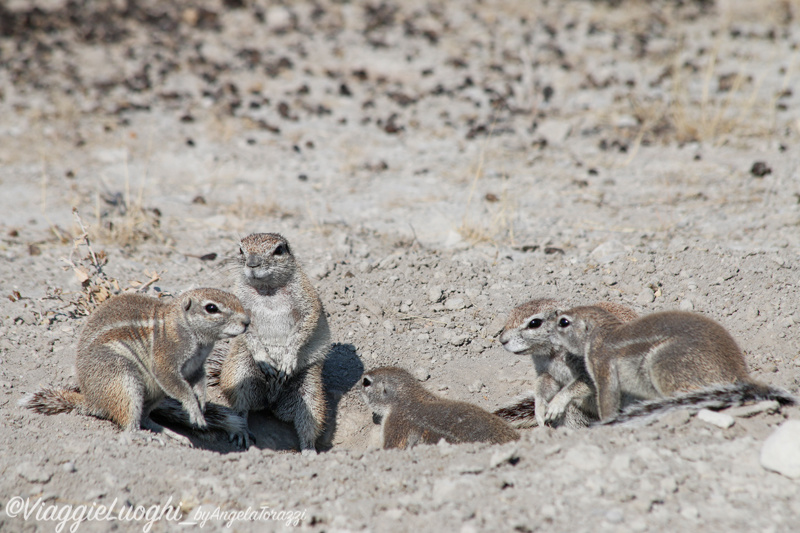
[196, 417]
[540, 411]
[556, 408]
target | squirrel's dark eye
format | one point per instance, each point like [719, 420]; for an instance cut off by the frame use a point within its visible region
[211, 309]
[564, 322]
[367, 382]
[535, 323]
[279, 250]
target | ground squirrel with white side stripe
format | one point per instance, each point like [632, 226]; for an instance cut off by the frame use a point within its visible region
[277, 364]
[561, 379]
[411, 415]
[686, 357]
[140, 356]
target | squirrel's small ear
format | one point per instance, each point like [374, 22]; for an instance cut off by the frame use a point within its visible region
[187, 304]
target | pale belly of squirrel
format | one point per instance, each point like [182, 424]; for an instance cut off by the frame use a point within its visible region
[275, 324]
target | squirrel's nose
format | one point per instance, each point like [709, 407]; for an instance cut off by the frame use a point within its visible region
[252, 261]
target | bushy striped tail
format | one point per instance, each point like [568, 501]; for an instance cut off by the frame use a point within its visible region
[50, 401]
[715, 397]
[218, 417]
[521, 414]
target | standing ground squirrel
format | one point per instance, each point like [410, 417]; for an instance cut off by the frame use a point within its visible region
[659, 355]
[136, 353]
[561, 375]
[277, 364]
[411, 415]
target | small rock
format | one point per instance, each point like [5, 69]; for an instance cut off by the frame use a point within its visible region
[388, 325]
[279, 19]
[647, 296]
[454, 304]
[69, 467]
[686, 305]
[364, 320]
[372, 306]
[476, 386]
[676, 418]
[715, 418]
[33, 473]
[781, 451]
[421, 373]
[458, 340]
[760, 169]
[746, 411]
[502, 456]
[669, 485]
[435, 294]
[555, 131]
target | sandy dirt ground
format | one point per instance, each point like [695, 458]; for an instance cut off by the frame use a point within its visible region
[433, 164]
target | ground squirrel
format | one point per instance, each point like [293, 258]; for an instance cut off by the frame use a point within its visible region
[411, 415]
[686, 356]
[140, 357]
[527, 331]
[277, 364]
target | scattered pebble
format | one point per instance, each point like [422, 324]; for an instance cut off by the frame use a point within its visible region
[760, 169]
[646, 296]
[475, 386]
[715, 418]
[746, 411]
[781, 451]
[504, 455]
[421, 373]
[454, 304]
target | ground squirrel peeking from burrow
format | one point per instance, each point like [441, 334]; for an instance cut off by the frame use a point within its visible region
[411, 415]
[561, 376]
[672, 358]
[277, 365]
[140, 357]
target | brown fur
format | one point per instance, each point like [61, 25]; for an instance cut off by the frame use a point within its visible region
[563, 392]
[659, 355]
[136, 351]
[277, 364]
[412, 415]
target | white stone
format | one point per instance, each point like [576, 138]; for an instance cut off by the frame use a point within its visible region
[715, 418]
[781, 451]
